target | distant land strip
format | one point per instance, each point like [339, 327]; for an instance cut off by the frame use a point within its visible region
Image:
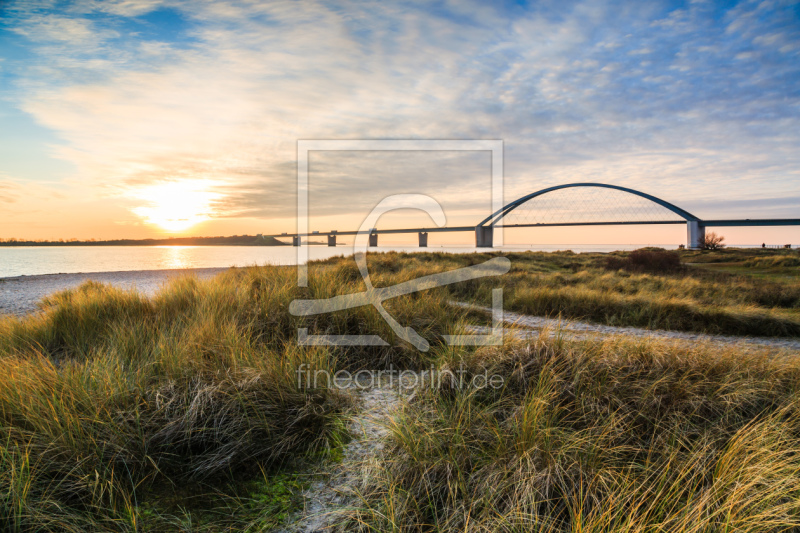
[235, 240]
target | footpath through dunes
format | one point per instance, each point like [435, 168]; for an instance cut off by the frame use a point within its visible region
[337, 490]
[530, 327]
[426, 450]
[603, 434]
[340, 495]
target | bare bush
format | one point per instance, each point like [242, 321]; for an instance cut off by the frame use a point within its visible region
[712, 241]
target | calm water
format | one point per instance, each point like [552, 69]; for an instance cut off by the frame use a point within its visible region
[32, 260]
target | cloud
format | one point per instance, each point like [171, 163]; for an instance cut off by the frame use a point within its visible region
[712, 112]
[8, 193]
[59, 29]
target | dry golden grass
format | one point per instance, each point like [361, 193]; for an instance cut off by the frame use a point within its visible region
[184, 412]
[597, 436]
[112, 404]
[579, 286]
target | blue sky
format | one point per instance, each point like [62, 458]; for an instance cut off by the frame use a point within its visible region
[102, 101]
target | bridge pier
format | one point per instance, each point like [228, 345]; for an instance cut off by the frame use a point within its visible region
[695, 234]
[484, 236]
[296, 240]
[373, 239]
[423, 239]
[332, 239]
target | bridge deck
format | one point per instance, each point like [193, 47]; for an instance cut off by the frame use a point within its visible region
[706, 223]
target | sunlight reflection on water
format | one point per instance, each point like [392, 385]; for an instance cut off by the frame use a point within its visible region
[34, 260]
[176, 256]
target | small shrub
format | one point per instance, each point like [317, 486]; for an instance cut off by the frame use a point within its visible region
[646, 261]
[712, 241]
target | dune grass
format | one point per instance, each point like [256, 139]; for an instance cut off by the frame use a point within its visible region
[582, 287]
[184, 412]
[119, 412]
[783, 260]
[595, 436]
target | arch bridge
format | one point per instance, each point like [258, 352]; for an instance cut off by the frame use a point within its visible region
[596, 204]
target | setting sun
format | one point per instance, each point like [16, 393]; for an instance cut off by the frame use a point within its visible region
[176, 206]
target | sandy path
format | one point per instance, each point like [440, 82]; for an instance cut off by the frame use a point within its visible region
[584, 329]
[335, 492]
[378, 398]
[19, 295]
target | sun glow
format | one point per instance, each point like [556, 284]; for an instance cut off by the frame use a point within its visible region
[177, 205]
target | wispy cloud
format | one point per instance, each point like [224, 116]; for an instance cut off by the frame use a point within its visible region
[692, 102]
[8, 193]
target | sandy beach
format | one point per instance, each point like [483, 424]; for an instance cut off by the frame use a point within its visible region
[20, 294]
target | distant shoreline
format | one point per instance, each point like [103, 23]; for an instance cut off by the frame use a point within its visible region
[235, 240]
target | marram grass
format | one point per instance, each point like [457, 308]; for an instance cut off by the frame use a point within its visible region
[581, 287]
[184, 412]
[108, 398]
[596, 436]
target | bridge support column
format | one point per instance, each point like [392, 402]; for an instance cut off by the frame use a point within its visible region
[484, 236]
[332, 240]
[296, 240]
[373, 239]
[423, 239]
[695, 234]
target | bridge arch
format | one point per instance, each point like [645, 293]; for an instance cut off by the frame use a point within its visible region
[495, 217]
[484, 229]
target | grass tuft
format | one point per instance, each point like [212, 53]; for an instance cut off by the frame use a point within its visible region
[592, 436]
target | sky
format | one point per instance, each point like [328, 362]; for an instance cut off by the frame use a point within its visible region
[151, 118]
